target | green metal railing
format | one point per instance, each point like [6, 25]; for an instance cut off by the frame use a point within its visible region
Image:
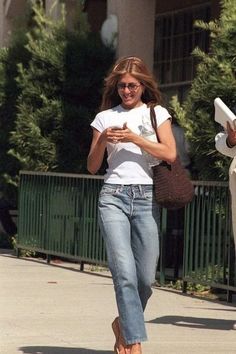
[58, 216]
[208, 243]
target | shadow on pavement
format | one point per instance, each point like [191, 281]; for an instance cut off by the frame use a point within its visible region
[60, 350]
[195, 322]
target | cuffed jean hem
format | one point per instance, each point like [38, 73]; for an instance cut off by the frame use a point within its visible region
[134, 341]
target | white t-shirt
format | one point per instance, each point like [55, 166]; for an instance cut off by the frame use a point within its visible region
[126, 162]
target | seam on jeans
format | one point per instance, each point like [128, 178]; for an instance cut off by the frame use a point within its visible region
[112, 253]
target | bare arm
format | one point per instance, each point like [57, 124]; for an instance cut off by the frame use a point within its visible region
[165, 149]
[96, 153]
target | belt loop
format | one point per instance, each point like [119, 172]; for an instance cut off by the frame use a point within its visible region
[120, 188]
[140, 189]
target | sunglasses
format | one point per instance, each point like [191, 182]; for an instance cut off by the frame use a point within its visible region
[131, 86]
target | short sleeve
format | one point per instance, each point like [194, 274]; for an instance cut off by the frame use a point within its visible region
[98, 123]
[161, 114]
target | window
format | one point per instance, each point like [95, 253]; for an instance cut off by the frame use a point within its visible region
[176, 37]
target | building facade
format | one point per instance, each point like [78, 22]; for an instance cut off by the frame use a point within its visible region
[160, 32]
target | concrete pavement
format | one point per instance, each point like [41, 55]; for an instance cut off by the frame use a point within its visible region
[56, 309]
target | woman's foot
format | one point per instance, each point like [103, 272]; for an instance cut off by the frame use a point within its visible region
[133, 349]
[119, 347]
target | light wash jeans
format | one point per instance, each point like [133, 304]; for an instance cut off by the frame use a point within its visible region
[129, 221]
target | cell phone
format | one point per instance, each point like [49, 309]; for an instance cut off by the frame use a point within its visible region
[115, 127]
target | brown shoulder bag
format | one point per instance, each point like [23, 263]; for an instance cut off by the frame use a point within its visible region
[172, 186]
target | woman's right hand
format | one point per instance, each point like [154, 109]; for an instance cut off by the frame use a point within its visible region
[114, 134]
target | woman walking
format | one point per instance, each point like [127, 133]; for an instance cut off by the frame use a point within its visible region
[128, 213]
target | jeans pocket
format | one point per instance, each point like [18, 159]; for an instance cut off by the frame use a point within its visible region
[148, 192]
[109, 190]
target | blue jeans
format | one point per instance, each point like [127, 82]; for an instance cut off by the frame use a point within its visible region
[129, 222]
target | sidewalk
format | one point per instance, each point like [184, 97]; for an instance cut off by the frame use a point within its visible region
[56, 309]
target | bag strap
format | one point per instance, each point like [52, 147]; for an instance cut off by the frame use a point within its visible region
[154, 125]
[153, 120]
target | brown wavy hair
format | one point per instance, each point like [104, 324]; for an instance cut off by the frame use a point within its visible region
[137, 68]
